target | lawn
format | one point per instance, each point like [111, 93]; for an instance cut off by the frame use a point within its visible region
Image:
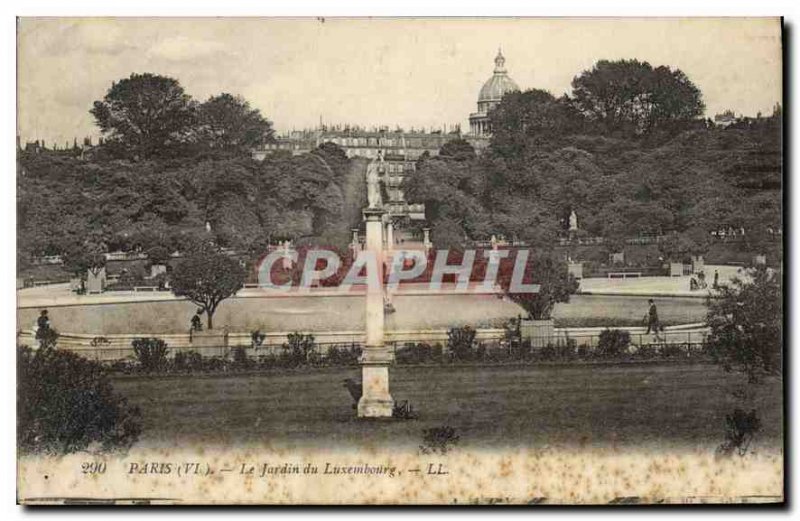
[626, 405]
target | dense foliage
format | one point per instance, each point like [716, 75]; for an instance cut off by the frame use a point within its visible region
[65, 403]
[626, 152]
[746, 323]
[149, 116]
[79, 208]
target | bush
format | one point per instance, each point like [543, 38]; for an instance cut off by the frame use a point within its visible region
[189, 361]
[151, 353]
[460, 341]
[343, 356]
[297, 348]
[558, 352]
[240, 358]
[613, 343]
[411, 353]
[65, 403]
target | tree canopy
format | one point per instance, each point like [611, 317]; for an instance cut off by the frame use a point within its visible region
[207, 276]
[630, 96]
[228, 123]
[145, 115]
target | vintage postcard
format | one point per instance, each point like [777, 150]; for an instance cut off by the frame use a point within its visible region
[408, 261]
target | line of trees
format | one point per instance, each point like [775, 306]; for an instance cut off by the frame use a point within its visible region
[627, 151]
[149, 116]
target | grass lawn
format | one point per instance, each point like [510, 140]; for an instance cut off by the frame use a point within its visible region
[641, 405]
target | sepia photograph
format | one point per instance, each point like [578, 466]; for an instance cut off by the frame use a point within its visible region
[400, 261]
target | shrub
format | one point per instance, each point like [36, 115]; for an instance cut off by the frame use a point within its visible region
[740, 429]
[189, 361]
[558, 352]
[414, 353]
[673, 351]
[438, 439]
[297, 348]
[257, 338]
[437, 353]
[343, 356]
[520, 350]
[65, 403]
[151, 353]
[240, 358]
[613, 343]
[460, 341]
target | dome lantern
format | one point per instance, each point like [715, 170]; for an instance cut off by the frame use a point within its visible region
[499, 63]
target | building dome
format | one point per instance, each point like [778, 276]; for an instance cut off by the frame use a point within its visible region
[499, 84]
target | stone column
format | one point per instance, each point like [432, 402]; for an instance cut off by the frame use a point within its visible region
[376, 402]
[355, 246]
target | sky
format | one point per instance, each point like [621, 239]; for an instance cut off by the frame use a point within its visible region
[421, 73]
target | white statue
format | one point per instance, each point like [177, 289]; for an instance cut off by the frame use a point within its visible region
[573, 221]
[374, 199]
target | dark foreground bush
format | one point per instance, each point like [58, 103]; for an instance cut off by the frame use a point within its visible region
[65, 403]
[151, 353]
[613, 343]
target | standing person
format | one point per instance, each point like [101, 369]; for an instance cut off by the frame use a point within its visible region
[42, 327]
[716, 280]
[652, 318]
[197, 323]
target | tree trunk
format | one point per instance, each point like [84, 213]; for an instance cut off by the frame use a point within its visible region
[210, 314]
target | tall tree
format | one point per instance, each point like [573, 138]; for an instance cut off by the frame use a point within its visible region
[531, 119]
[145, 116]
[632, 97]
[229, 124]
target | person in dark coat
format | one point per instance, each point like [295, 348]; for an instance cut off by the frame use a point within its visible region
[197, 323]
[652, 318]
[42, 323]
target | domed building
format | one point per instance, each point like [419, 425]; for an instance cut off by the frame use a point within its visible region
[490, 95]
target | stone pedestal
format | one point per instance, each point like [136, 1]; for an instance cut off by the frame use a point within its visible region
[760, 259]
[96, 280]
[157, 269]
[698, 264]
[375, 402]
[676, 269]
[539, 332]
[426, 239]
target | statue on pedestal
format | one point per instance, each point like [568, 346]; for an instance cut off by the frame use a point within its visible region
[573, 221]
[374, 171]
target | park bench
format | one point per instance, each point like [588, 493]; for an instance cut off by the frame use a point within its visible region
[623, 274]
[137, 289]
